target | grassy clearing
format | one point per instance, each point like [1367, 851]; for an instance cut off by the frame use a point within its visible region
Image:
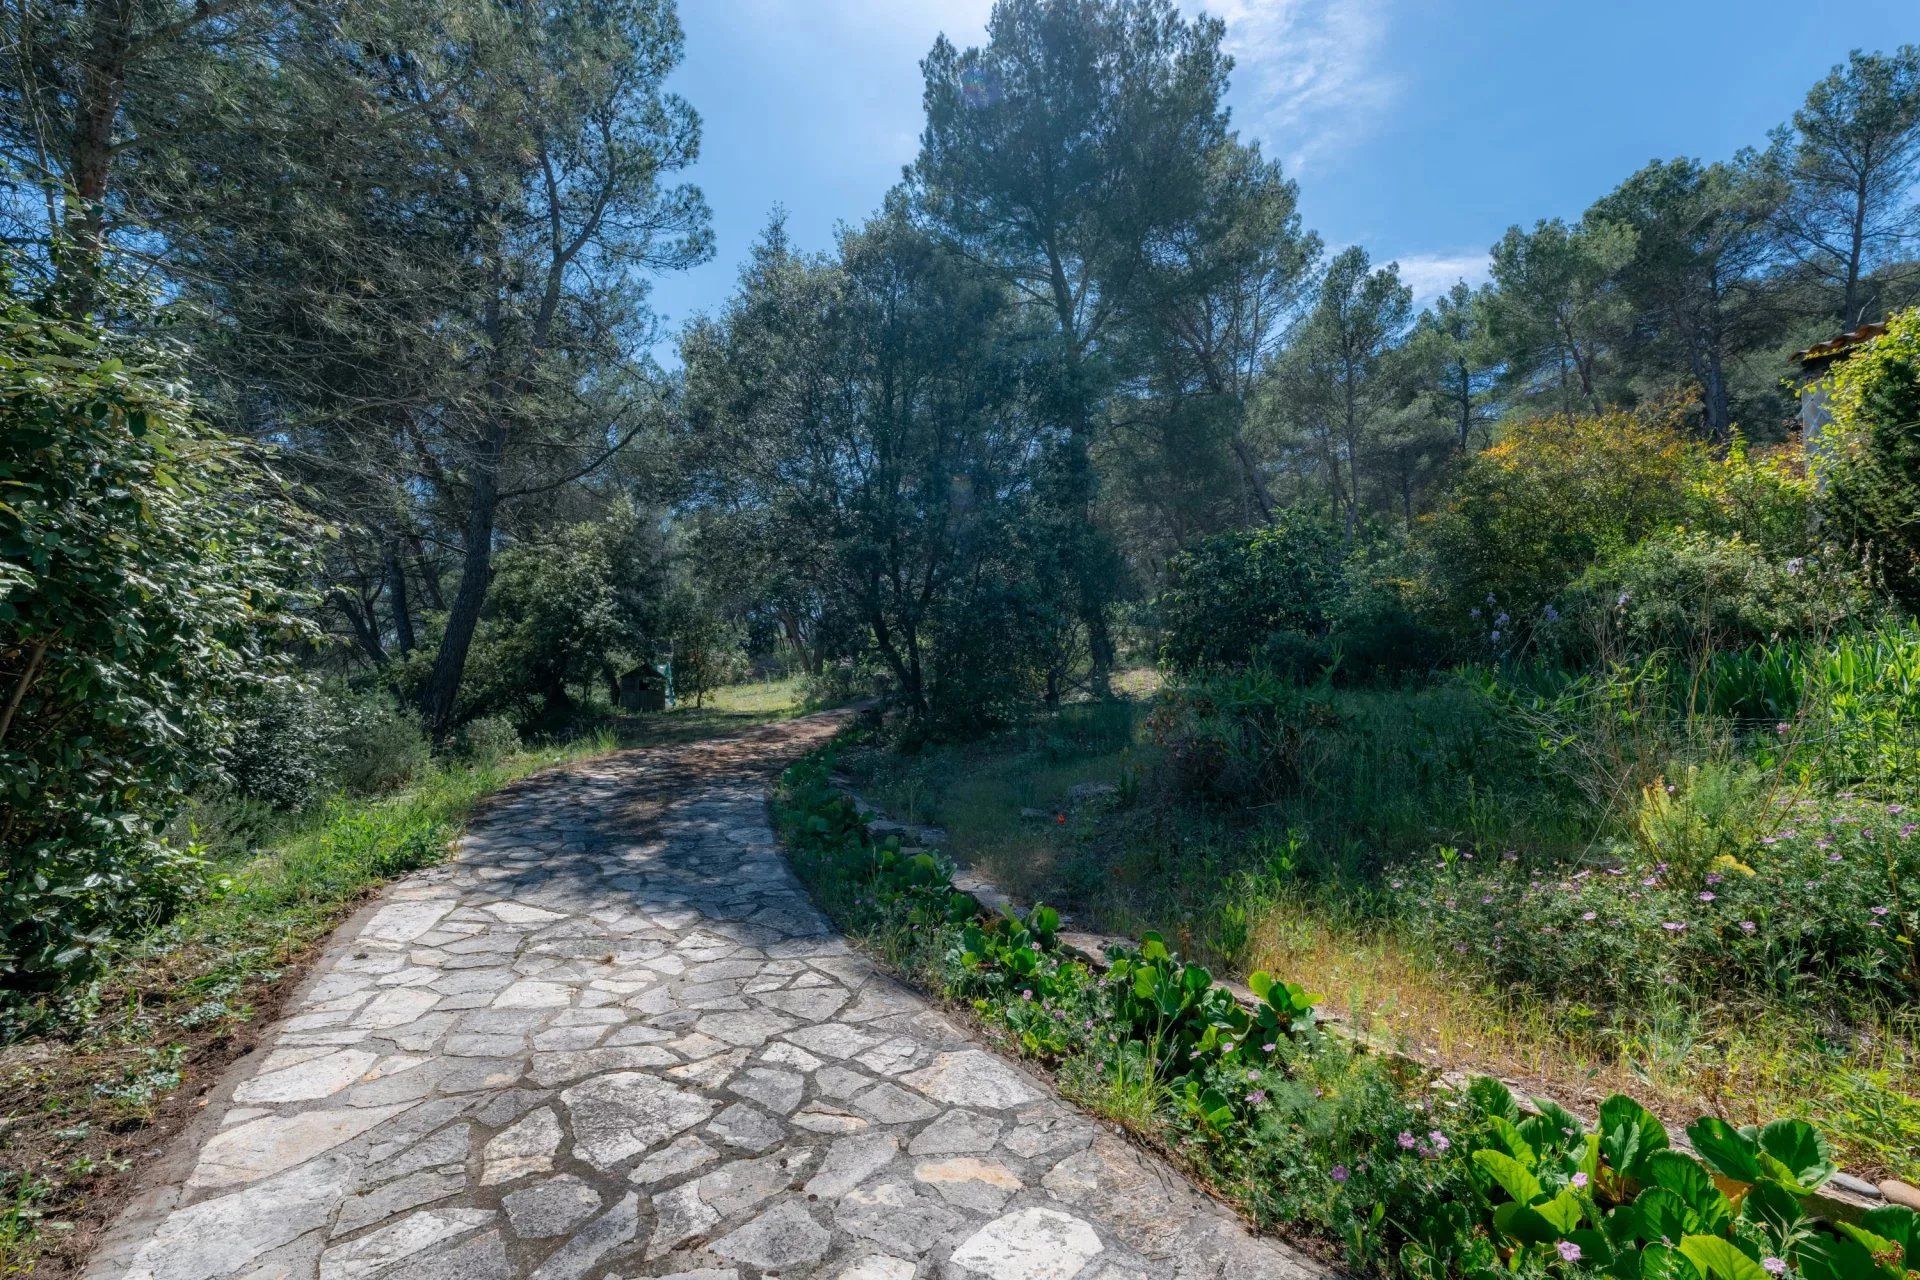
[723, 711]
[191, 996]
[1290, 889]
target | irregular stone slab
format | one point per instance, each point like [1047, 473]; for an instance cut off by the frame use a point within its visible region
[527, 1146]
[682, 1155]
[850, 1162]
[982, 1185]
[217, 1237]
[550, 1208]
[587, 1246]
[404, 921]
[973, 1079]
[397, 1197]
[878, 1267]
[679, 1215]
[896, 1217]
[784, 1237]
[957, 1133]
[779, 1091]
[319, 1077]
[556, 1068]
[412, 1235]
[1033, 1244]
[478, 1257]
[748, 1127]
[258, 1148]
[620, 1115]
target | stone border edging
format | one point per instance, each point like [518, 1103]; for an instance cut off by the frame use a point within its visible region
[1843, 1198]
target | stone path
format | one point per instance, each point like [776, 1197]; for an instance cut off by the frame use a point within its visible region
[615, 1039]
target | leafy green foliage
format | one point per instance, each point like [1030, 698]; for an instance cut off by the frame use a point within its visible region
[1692, 592]
[1870, 453]
[1228, 594]
[146, 572]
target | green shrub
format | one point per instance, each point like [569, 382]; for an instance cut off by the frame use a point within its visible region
[1227, 596]
[1527, 517]
[283, 742]
[1869, 455]
[1693, 592]
[377, 745]
[146, 573]
[488, 739]
[1823, 901]
[1249, 735]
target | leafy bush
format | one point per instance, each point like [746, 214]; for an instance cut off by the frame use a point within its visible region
[1692, 592]
[489, 738]
[1824, 901]
[378, 745]
[283, 742]
[1228, 595]
[145, 570]
[1245, 735]
[1530, 514]
[1869, 454]
[556, 618]
[1765, 496]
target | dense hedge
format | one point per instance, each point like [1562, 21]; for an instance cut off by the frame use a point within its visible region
[1304, 1129]
[147, 576]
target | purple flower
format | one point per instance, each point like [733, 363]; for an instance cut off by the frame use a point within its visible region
[1268, 1047]
[1338, 1173]
[1407, 1141]
[1257, 1097]
[1590, 915]
[1440, 1140]
[1906, 829]
[1896, 809]
[1781, 728]
[1569, 1251]
[1675, 926]
[1706, 895]
[1774, 1266]
[1878, 911]
[1747, 926]
[1580, 1179]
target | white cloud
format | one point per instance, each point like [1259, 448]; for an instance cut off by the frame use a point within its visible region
[1431, 274]
[1308, 75]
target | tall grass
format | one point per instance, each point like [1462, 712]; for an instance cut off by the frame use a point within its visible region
[1488, 792]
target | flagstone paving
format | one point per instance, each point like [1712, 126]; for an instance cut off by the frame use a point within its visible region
[614, 1039]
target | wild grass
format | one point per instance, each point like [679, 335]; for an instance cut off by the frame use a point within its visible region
[1300, 888]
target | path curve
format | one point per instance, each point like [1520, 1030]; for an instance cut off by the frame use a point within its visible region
[615, 1039]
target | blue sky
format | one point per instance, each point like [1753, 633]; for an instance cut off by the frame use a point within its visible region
[1420, 129]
